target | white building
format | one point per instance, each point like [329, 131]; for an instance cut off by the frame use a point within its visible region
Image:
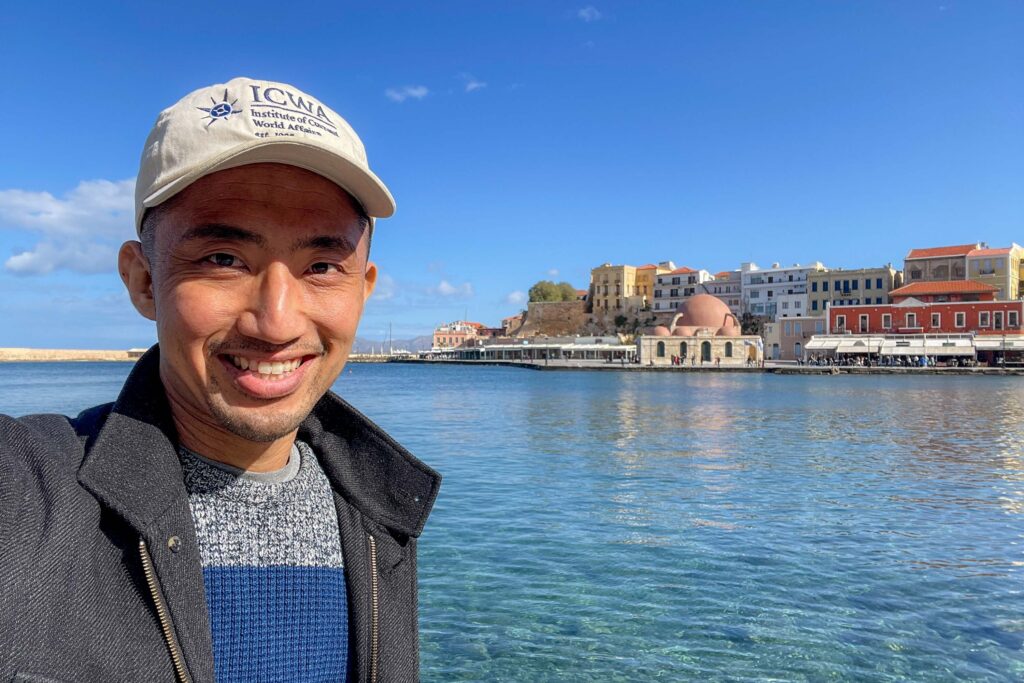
[677, 286]
[727, 286]
[777, 292]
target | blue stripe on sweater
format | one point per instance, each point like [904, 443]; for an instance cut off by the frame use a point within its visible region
[277, 623]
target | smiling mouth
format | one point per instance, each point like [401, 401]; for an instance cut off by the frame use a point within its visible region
[266, 370]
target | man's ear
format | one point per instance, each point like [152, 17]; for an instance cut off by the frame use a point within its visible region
[370, 280]
[135, 273]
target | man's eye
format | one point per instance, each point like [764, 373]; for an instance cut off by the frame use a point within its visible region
[223, 260]
[323, 268]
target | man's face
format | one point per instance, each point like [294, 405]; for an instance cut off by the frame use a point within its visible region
[260, 274]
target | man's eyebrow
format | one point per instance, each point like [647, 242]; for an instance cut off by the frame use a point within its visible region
[326, 242]
[221, 231]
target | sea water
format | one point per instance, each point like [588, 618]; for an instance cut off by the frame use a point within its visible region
[605, 526]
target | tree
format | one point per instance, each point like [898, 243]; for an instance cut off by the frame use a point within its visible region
[752, 324]
[546, 290]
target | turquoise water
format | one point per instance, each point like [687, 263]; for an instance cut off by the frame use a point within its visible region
[656, 527]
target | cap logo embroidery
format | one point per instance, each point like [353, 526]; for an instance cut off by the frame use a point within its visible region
[220, 110]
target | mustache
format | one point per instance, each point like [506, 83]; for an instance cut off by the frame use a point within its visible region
[242, 344]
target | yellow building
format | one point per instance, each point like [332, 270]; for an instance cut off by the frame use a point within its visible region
[998, 267]
[624, 289]
[850, 287]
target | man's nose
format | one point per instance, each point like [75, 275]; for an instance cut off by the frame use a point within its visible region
[276, 313]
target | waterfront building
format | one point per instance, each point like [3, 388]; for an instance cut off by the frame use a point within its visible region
[998, 267]
[841, 287]
[703, 333]
[945, 325]
[455, 334]
[938, 263]
[787, 338]
[727, 286]
[674, 287]
[622, 289]
[776, 292]
[541, 349]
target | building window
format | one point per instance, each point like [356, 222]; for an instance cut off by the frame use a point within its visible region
[814, 305]
[798, 327]
[867, 283]
[657, 294]
[997, 320]
[819, 326]
[661, 349]
[786, 329]
[673, 293]
[728, 349]
[878, 299]
[682, 350]
[960, 319]
[814, 286]
[1012, 319]
[855, 284]
[936, 320]
[984, 319]
[840, 322]
[886, 321]
[911, 319]
[657, 305]
[863, 323]
[824, 286]
[915, 274]
[878, 283]
[785, 304]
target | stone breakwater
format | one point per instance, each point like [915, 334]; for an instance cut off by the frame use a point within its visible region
[19, 355]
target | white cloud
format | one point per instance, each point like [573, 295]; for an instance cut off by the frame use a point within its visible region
[516, 298]
[553, 272]
[589, 14]
[471, 83]
[80, 231]
[447, 289]
[416, 92]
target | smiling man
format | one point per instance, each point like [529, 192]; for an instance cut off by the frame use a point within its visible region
[228, 518]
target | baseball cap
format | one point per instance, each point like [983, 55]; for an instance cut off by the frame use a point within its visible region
[249, 121]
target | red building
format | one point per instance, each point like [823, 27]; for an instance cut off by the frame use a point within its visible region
[913, 316]
[945, 290]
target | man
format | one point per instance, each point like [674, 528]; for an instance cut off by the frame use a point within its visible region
[227, 518]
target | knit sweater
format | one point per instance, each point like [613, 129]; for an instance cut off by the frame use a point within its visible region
[272, 568]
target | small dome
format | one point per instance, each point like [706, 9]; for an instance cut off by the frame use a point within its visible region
[732, 331]
[682, 332]
[660, 331]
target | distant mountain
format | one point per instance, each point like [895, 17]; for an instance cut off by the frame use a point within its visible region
[422, 343]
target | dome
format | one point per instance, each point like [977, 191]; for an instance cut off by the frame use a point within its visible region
[684, 331]
[704, 310]
[660, 331]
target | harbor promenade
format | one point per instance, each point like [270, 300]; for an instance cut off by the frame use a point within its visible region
[769, 368]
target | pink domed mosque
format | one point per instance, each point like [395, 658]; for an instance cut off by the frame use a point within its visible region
[703, 333]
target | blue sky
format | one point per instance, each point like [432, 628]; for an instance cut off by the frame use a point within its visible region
[529, 140]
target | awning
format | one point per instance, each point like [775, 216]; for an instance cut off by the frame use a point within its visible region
[999, 343]
[859, 346]
[818, 344]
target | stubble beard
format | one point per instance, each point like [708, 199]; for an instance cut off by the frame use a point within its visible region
[250, 425]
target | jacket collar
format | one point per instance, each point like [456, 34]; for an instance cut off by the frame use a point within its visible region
[132, 464]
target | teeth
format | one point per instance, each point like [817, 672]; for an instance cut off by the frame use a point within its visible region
[265, 369]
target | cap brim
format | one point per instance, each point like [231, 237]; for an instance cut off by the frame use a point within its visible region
[361, 183]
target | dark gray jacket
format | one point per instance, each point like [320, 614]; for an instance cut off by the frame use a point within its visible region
[100, 576]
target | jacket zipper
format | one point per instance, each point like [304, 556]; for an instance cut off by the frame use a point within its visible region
[161, 613]
[374, 610]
